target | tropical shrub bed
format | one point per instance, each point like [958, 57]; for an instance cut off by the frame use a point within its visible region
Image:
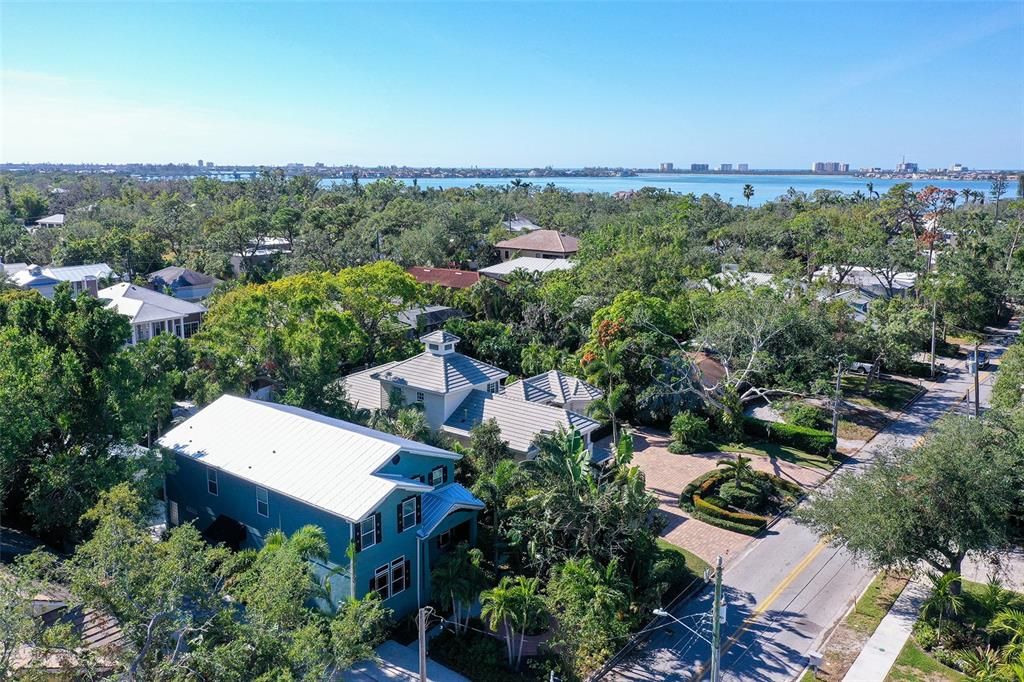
[689, 433]
[738, 498]
[979, 631]
[810, 440]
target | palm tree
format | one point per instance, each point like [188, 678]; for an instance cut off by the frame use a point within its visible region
[871, 190]
[493, 489]
[739, 468]
[498, 608]
[513, 605]
[606, 370]
[967, 194]
[748, 191]
[945, 599]
[608, 406]
[459, 577]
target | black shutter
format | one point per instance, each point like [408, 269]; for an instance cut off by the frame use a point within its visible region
[419, 509]
[357, 537]
[373, 584]
[408, 574]
[444, 474]
[376, 525]
[400, 520]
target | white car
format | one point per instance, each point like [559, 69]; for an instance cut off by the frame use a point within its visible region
[862, 367]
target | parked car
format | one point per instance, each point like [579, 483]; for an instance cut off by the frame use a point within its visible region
[862, 367]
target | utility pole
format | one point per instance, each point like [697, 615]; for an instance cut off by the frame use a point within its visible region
[934, 306]
[977, 372]
[716, 626]
[421, 626]
[837, 399]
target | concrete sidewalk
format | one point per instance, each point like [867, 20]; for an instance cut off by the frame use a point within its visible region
[397, 663]
[885, 645]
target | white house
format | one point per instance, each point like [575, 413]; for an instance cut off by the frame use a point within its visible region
[45, 278]
[152, 313]
[458, 392]
[528, 264]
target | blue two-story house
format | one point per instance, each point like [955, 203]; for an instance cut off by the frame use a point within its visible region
[247, 467]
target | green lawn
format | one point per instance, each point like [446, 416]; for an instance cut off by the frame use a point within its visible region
[875, 602]
[693, 562]
[914, 665]
[775, 451]
[886, 394]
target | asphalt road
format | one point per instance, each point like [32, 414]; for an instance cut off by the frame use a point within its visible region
[787, 590]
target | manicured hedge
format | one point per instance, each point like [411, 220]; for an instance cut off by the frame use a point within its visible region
[696, 485]
[726, 524]
[706, 507]
[809, 440]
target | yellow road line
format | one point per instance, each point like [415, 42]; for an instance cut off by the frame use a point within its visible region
[767, 602]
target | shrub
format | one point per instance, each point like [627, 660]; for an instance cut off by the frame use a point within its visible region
[689, 433]
[705, 507]
[749, 495]
[809, 440]
[807, 416]
[702, 483]
[726, 524]
[926, 635]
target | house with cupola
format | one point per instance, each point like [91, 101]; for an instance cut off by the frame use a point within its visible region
[458, 393]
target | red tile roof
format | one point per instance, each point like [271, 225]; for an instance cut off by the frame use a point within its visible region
[445, 277]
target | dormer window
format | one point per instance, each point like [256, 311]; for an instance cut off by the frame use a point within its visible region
[434, 346]
[449, 347]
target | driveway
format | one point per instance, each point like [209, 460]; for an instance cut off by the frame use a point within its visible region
[667, 474]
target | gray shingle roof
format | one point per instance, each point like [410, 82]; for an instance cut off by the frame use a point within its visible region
[520, 390]
[440, 336]
[364, 391]
[564, 387]
[440, 373]
[520, 421]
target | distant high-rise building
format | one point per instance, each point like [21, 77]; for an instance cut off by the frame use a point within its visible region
[699, 167]
[958, 168]
[742, 167]
[906, 167]
[200, 163]
[725, 166]
[209, 164]
[830, 167]
[667, 166]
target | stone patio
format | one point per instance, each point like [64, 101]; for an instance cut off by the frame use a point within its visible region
[667, 474]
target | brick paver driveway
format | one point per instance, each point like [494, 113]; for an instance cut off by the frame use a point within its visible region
[667, 474]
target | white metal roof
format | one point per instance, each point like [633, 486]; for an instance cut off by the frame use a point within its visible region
[441, 502]
[140, 304]
[77, 273]
[528, 264]
[324, 462]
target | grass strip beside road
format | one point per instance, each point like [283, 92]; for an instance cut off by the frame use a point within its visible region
[782, 452]
[914, 665]
[694, 563]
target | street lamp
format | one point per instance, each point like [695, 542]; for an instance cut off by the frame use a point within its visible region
[665, 614]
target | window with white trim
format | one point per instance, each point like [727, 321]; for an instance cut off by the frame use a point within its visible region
[408, 513]
[444, 539]
[381, 581]
[420, 397]
[368, 532]
[212, 486]
[262, 502]
[437, 475]
[399, 580]
[492, 387]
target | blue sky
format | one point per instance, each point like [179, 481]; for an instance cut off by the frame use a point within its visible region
[514, 84]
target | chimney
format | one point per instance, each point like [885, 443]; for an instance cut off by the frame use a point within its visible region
[90, 285]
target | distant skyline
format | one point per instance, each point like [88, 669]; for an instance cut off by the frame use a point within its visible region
[572, 84]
